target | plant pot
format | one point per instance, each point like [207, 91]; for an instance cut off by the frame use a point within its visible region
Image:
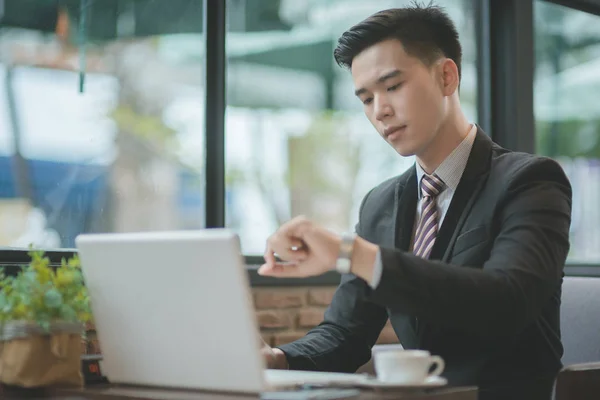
[33, 358]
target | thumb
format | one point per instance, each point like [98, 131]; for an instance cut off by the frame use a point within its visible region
[281, 270]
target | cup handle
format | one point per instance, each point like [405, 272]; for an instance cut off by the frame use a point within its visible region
[439, 365]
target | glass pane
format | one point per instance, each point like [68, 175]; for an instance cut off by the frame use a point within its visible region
[297, 141]
[125, 154]
[567, 113]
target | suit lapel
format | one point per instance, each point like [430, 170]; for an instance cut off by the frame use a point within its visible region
[466, 193]
[405, 209]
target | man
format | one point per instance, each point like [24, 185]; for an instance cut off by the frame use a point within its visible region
[463, 252]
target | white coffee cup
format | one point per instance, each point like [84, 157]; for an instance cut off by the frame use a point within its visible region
[395, 365]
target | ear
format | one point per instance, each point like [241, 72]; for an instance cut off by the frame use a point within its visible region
[449, 76]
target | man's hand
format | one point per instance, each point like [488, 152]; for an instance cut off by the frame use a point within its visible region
[308, 249]
[305, 248]
[274, 358]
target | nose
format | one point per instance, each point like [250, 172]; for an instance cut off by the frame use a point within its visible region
[383, 108]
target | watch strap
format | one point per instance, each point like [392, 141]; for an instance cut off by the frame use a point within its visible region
[344, 260]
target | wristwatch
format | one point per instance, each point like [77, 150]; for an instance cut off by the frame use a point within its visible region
[344, 260]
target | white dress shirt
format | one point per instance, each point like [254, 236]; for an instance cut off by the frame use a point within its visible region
[450, 171]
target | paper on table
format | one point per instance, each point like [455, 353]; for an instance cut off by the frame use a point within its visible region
[312, 394]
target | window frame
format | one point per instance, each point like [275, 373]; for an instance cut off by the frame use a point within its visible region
[511, 58]
[587, 6]
[504, 54]
[590, 7]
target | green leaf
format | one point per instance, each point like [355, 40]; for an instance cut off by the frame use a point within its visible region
[67, 313]
[30, 277]
[25, 298]
[78, 277]
[39, 293]
[74, 262]
[53, 298]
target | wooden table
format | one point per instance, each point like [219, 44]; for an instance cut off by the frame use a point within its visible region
[113, 392]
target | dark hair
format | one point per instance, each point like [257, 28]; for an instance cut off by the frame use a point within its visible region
[426, 32]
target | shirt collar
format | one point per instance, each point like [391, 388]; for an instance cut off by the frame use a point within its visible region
[451, 169]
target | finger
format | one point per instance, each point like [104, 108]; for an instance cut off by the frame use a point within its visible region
[296, 244]
[270, 269]
[288, 249]
[282, 240]
[269, 256]
[296, 227]
[290, 255]
[282, 270]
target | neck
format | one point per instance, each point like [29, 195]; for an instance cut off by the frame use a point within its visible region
[450, 134]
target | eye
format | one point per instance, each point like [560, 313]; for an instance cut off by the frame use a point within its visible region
[367, 101]
[392, 88]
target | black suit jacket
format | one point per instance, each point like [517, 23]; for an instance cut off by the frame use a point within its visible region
[488, 298]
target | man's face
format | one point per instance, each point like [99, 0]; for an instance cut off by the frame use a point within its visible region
[402, 97]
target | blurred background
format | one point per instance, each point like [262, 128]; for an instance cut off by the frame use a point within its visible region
[127, 153]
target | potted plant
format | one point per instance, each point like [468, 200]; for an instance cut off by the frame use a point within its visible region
[42, 315]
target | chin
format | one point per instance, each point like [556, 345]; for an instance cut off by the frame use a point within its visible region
[404, 151]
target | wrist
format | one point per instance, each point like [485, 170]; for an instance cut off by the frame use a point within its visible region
[364, 255]
[279, 359]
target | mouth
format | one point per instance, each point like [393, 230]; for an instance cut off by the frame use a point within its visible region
[393, 131]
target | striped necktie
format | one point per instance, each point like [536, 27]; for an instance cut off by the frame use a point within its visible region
[431, 187]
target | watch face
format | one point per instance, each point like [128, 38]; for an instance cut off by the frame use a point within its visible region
[343, 266]
[344, 258]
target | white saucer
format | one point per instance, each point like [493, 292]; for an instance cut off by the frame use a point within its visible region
[431, 382]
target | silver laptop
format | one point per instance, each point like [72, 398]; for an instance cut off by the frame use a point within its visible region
[174, 309]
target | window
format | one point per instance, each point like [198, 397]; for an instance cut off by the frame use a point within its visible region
[125, 154]
[567, 113]
[297, 141]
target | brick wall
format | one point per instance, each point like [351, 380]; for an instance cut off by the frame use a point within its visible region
[284, 314]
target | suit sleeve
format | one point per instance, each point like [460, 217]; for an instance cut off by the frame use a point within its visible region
[351, 326]
[507, 292]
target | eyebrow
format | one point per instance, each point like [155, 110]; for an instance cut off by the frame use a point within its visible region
[381, 79]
